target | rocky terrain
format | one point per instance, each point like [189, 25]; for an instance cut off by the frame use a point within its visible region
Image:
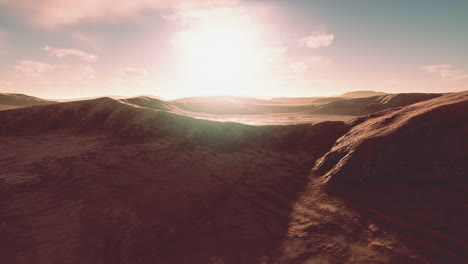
[140, 180]
[405, 170]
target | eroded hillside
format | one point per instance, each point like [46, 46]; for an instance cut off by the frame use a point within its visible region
[129, 181]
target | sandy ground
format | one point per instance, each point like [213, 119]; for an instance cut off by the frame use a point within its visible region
[91, 199]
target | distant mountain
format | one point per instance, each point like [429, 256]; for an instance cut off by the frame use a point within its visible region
[368, 105]
[360, 94]
[222, 99]
[149, 102]
[235, 105]
[232, 105]
[91, 98]
[295, 100]
[12, 101]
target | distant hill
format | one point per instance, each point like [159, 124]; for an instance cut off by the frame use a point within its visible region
[360, 94]
[294, 100]
[222, 99]
[322, 108]
[149, 102]
[368, 105]
[12, 101]
[232, 105]
[137, 118]
[90, 98]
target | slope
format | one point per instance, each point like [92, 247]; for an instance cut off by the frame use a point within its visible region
[368, 105]
[406, 168]
[12, 101]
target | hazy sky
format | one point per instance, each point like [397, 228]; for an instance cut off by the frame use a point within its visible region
[178, 48]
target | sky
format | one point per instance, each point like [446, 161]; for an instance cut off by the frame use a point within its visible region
[59, 49]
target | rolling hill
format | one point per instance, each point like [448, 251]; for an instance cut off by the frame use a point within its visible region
[368, 105]
[133, 181]
[12, 101]
[361, 94]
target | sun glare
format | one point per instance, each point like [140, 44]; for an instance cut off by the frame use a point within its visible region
[221, 56]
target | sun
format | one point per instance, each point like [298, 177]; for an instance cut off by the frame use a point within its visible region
[222, 56]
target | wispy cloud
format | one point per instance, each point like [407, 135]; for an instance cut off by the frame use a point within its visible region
[446, 71]
[187, 12]
[31, 68]
[53, 79]
[61, 53]
[58, 13]
[319, 38]
[129, 72]
[28, 70]
[306, 64]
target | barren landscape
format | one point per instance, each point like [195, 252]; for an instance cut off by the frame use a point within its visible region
[380, 179]
[233, 132]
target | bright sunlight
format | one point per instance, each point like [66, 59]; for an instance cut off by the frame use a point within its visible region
[221, 56]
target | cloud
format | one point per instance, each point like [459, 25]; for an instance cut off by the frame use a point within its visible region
[306, 64]
[61, 53]
[317, 40]
[58, 13]
[188, 13]
[446, 71]
[54, 80]
[129, 72]
[27, 67]
[130, 77]
[44, 72]
[81, 73]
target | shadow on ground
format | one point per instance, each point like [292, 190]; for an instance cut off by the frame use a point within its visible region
[429, 219]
